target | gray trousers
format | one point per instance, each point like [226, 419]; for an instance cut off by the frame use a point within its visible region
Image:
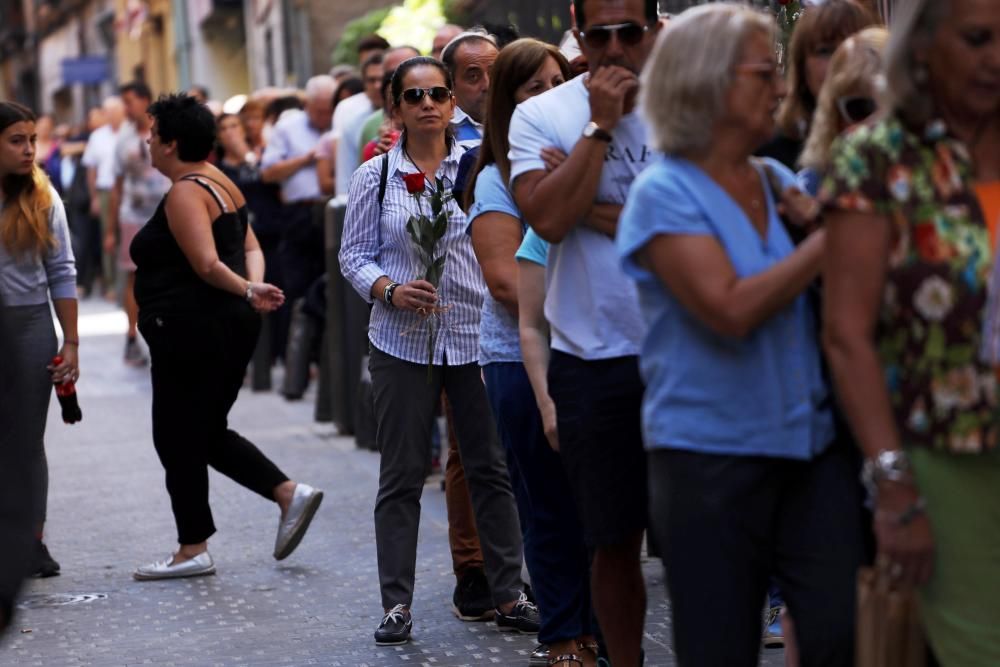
[27, 344]
[404, 409]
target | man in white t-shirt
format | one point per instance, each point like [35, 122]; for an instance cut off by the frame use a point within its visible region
[591, 306]
[99, 159]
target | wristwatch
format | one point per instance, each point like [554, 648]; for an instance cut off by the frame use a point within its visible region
[387, 293]
[889, 465]
[248, 295]
[593, 131]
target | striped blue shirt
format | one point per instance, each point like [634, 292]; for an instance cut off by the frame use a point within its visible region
[375, 244]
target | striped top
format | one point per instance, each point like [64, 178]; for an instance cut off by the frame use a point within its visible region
[375, 244]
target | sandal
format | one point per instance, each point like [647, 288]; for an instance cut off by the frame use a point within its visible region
[571, 658]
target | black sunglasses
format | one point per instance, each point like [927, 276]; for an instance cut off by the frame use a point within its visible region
[856, 109]
[599, 36]
[416, 95]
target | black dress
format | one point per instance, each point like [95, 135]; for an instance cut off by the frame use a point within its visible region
[200, 341]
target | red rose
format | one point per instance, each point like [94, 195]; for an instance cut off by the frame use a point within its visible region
[414, 183]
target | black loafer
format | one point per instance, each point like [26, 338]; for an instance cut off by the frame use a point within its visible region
[395, 627]
[522, 618]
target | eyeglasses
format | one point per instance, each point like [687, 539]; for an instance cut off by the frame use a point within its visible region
[767, 72]
[416, 95]
[856, 109]
[599, 36]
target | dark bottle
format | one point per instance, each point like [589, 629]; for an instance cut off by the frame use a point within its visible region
[66, 393]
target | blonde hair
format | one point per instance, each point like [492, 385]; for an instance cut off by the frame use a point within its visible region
[857, 65]
[688, 75]
[24, 222]
[829, 23]
[914, 23]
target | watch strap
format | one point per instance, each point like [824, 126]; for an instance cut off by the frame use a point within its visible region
[594, 131]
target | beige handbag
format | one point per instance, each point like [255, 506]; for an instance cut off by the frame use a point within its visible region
[889, 631]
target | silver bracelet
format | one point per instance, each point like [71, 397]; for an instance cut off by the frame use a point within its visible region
[889, 465]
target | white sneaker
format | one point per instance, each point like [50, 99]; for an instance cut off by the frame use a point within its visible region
[199, 566]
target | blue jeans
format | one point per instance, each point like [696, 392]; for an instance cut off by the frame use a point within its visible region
[554, 550]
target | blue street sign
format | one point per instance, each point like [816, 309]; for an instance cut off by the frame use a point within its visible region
[85, 69]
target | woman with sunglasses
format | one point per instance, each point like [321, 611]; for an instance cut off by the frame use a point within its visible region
[745, 485]
[820, 30]
[379, 259]
[848, 98]
[910, 313]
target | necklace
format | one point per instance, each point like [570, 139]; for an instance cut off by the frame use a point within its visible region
[414, 163]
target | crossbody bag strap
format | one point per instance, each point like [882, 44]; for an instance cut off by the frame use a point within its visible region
[383, 179]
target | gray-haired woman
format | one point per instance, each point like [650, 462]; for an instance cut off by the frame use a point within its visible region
[909, 257]
[747, 479]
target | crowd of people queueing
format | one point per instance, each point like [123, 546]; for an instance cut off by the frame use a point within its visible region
[667, 284]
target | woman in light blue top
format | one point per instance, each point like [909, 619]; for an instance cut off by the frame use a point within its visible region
[553, 540]
[746, 480]
[36, 264]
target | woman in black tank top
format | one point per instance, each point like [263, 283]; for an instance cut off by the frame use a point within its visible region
[200, 291]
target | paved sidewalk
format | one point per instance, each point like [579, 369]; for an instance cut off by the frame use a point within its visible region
[109, 512]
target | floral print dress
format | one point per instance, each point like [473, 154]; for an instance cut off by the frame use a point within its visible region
[931, 318]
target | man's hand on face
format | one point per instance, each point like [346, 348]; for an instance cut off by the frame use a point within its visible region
[610, 88]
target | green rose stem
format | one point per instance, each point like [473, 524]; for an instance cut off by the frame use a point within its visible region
[425, 232]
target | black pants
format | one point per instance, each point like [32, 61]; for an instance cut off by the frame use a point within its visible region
[278, 321]
[727, 524]
[198, 364]
[28, 342]
[300, 252]
[598, 408]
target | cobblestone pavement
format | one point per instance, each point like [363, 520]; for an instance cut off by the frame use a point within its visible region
[109, 512]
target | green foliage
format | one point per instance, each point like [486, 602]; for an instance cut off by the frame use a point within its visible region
[457, 11]
[346, 52]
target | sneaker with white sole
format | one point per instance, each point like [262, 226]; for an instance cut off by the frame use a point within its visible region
[523, 618]
[199, 566]
[395, 628]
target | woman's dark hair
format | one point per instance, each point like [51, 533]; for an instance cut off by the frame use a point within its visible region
[352, 86]
[517, 62]
[181, 118]
[24, 223]
[417, 61]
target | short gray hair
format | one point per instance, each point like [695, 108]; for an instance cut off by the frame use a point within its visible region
[320, 87]
[476, 34]
[914, 23]
[686, 79]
